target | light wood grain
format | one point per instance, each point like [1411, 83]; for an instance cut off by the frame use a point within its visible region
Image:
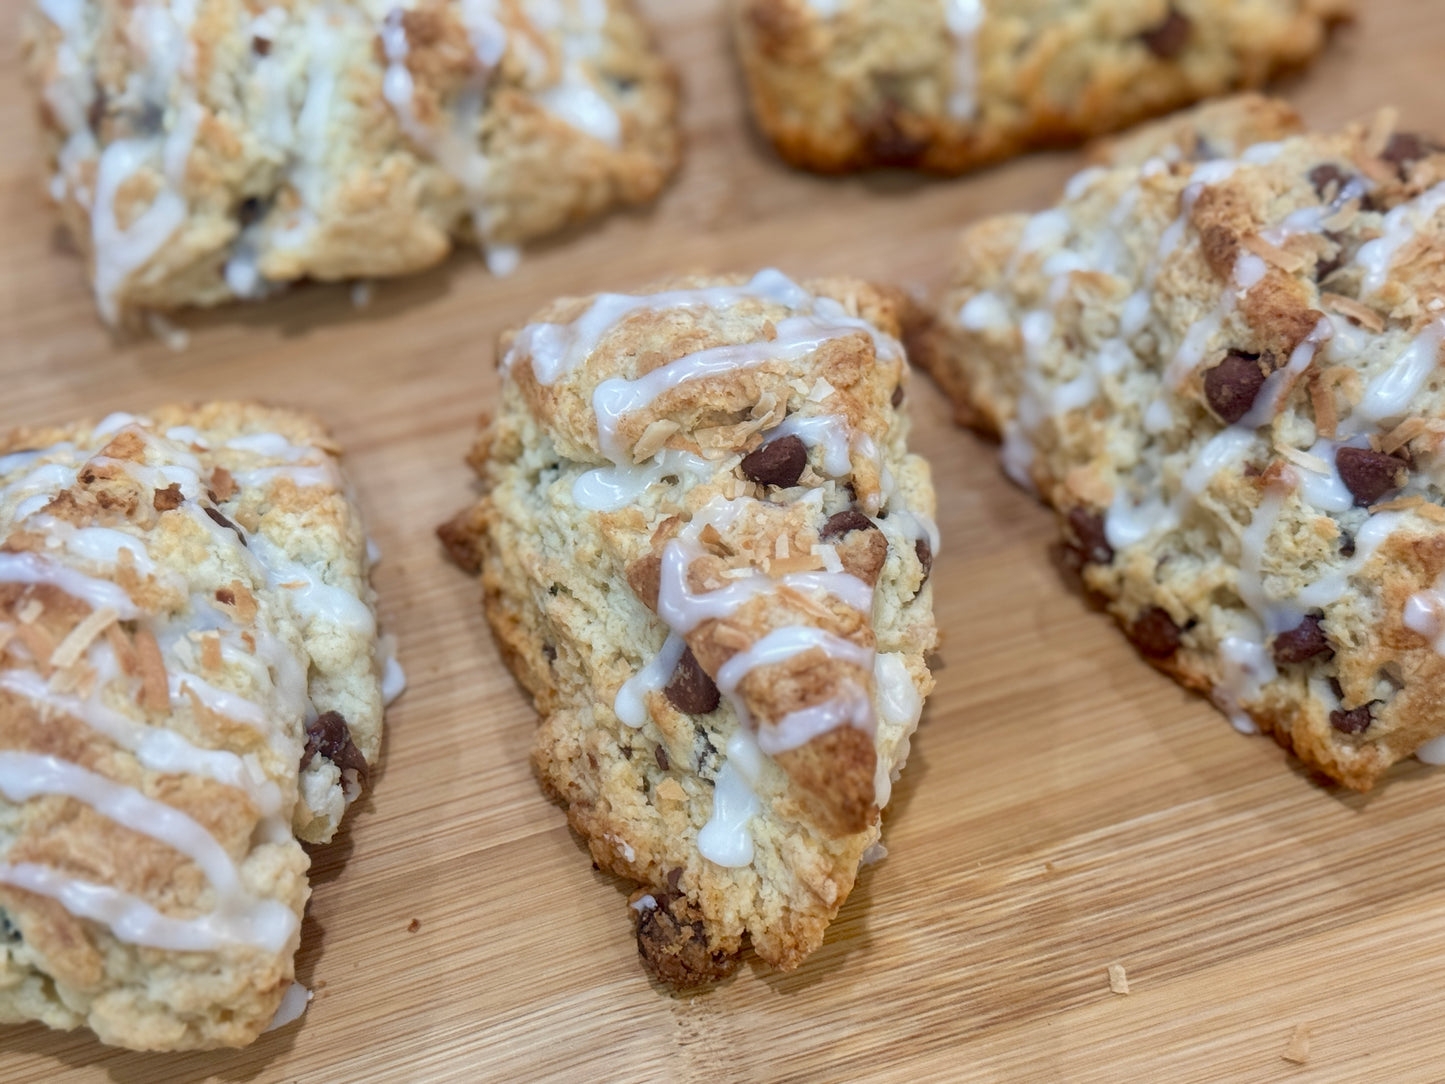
[1065, 807]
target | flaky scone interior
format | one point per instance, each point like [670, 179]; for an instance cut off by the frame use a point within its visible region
[705, 552]
[207, 150]
[1221, 365]
[190, 685]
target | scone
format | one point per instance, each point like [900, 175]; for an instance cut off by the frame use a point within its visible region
[219, 149]
[948, 85]
[1220, 366]
[190, 686]
[705, 552]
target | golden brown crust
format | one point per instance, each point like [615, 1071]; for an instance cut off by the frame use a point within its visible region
[915, 83]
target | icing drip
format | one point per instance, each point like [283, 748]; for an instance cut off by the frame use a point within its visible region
[631, 703]
[726, 839]
[963, 18]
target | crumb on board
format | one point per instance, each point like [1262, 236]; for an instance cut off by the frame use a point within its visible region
[1298, 1050]
[413, 925]
[1118, 980]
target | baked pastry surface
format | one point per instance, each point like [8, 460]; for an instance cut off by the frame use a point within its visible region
[949, 85]
[705, 552]
[218, 149]
[1220, 365]
[190, 685]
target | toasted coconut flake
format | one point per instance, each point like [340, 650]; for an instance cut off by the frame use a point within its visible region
[1298, 1050]
[211, 651]
[709, 536]
[82, 636]
[728, 635]
[1399, 504]
[155, 689]
[39, 643]
[654, 438]
[820, 390]
[1403, 434]
[1322, 398]
[1285, 261]
[124, 650]
[798, 562]
[1361, 314]
[1303, 459]
[7, 633]
[781, 547]
[1432, 512]
[31, 611]
[222, 484]
[1118, 980]
[1382, 127]
[1347, 380]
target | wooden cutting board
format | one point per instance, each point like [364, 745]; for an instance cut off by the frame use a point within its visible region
[1065, 807]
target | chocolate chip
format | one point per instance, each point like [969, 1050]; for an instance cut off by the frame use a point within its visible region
[1168, 39]
[225, 596]
[925, 558]
[260, 46]
[1302, 643]
[777, 463]
[329, 736]
[1155, 634]
[1369, 475]
[1328, 180]
[166, 499]
[674, 878]
[217, 518]
[1231, 386]
[1407, 148]
[841, 523]
[662, 762]
[691, 691]
[95, 115]
[897, 399]
[1355, 721]
[1089, 536]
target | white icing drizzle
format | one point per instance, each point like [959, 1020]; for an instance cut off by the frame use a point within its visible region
[293, 1006]
[32, 568]
[1389, 394]
[1401, 225]
[608, 489]
[963, 18]
[726, 838]
[555, 350]
[238, 917]
[1268, 400]
[630, 704]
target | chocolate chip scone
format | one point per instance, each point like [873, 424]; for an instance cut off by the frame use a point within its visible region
[1223, 373]
[948, 85]
[215, 149]
[190, 685]
[705, 552]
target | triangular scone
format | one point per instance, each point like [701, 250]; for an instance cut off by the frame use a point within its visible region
[189, 681]
[705, 551]
[1223, 373]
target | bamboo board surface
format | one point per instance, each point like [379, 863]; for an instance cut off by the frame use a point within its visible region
[1065, 807]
